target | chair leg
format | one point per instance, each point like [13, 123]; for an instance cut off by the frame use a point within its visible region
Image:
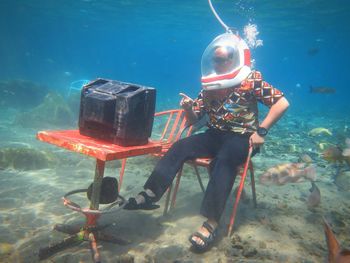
[166, 206]
[121, 174]
[234, 211]
[199, 177]
[178, 178]
[239, 192]
[252, 179]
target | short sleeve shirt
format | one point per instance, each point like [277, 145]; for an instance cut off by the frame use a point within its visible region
[235, 109]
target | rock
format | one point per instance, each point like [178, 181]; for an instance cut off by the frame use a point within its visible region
[274, 227]
[262, 244]
[294, 234]
[235, 239]
[125, 259]
[249, 252]
[233, 252]
[149, 259]
[168, 254]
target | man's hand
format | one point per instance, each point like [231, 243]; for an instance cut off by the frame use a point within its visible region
[186, 102]
[256, 140]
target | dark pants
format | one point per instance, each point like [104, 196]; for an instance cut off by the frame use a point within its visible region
[228, 150]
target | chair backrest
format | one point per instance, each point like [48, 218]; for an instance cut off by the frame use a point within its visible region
[169, 126]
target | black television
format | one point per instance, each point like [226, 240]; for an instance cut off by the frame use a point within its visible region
[117, 112]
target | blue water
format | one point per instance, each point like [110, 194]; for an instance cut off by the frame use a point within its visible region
[160, 42]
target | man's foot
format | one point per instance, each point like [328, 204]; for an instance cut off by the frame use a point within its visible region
[203, 239]
[142, 201]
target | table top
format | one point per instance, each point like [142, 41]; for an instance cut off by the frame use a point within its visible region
[72, 140]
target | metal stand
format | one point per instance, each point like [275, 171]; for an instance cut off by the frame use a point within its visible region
[103, 151]
[89, 232]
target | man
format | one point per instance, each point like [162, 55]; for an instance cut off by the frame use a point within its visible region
[223, 59]
[229, 97]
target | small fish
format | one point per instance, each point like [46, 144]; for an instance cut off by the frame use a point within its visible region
[67, 73]
[318, 131]
[335, 253]
[305, 158]
[333, 154]
[313, 51]
[288, 173]
[322, 90]
[314, 198]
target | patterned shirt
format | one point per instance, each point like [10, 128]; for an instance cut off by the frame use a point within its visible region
[236, 109]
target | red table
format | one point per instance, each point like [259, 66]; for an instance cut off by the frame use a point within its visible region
[103, 151]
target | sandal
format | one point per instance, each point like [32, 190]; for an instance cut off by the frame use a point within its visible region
[207, 241]
[147, 205]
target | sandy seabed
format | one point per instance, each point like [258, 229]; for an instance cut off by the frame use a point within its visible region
[281, 229]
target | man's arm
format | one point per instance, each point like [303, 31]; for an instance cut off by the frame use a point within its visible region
[186, 103]
[191, 117]
[275, 113]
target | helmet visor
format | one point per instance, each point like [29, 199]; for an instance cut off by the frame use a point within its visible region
[221, 56]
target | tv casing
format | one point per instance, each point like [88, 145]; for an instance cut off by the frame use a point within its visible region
[117, 112]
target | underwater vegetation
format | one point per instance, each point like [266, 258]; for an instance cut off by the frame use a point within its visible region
[52, 111]
[37, 106]
[22, 94]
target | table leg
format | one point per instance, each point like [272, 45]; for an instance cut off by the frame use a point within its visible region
[96, 188]
[90, 232]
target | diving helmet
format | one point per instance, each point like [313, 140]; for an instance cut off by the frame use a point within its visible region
[225, 62]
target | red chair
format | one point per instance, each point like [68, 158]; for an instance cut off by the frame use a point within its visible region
[204, 162]
[169, 126]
